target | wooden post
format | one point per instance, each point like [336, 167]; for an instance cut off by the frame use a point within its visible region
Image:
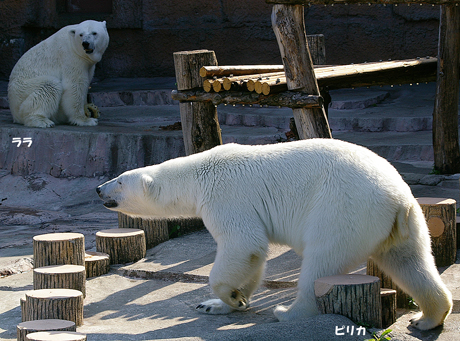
[445, 114]
[440, 215]
[122, 245]
[56, 336]
[354, 296]
[29, 327]
[200, 124]
[61, 277]
[59, 248]
[289, 26]
[65, 304]
[96, 264]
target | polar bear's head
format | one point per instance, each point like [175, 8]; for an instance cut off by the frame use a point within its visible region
[90, 39]
[135, 193]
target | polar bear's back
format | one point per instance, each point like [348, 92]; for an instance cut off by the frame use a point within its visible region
[303, 184]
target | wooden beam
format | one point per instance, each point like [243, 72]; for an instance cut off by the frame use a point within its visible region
[291, 99]
[366, 2]
[445, 114]
[288, 23]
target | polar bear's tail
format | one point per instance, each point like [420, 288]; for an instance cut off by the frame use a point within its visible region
[410, 264]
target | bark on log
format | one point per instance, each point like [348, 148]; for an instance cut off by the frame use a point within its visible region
[291, 99]
[122, 245]
[388, 297]
[61, 277]
[59, 248]
[48, 325]
[22, 303]
[56, 336]
[96, 264]
[156, 230]
[62, 304]
[445, 114]
[440, 214]
[288, 25]
[238, 70]
[354, 296]
[200, 124]
[402, 299]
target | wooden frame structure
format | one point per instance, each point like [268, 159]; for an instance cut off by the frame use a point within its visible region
[198, 110]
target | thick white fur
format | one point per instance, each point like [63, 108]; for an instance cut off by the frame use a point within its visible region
[49, 83]
[333, 202]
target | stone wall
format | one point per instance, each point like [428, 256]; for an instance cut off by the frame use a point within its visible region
[144, 34]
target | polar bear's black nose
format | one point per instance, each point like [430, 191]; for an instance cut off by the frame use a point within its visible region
[85, 45]
[98, 190]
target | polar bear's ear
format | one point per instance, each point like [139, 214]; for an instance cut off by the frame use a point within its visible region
[104, 23]
[149, 187]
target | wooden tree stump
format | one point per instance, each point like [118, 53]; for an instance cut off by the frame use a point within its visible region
[65, 276]
[354, 296]
[59, 248]
[48, 325]
[56, 336]
[402, 299]
[96, 264]
[63, 304]
[388, 297]
[122, 245]
[440, 214]
[156, 230]
[22, 303]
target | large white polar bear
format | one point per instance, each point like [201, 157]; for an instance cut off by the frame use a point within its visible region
[49, 83]
[333, 202]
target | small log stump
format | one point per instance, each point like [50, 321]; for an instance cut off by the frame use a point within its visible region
[29, 327]
[63, 304]
[59, 248]
[65, 276]
[402, 299]
[56, 336]
[156, 230]
[440, 214]
[354, 296]
[388, 297]
[96, 264]
[122, 245]
[22, 303]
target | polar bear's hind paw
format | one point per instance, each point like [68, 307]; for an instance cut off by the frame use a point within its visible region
[92, 110]
[422, 322]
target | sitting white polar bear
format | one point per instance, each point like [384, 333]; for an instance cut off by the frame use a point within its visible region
[49, 83]
[333, 202]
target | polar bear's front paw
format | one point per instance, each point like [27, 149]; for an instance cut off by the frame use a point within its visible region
[214, 307]
[85, 122]
[421, 322]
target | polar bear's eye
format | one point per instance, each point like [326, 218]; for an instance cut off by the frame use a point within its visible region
[94, 33]
[119, 182]
[81, 34]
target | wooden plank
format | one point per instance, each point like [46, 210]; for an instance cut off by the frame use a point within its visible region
[291, 99]
[351, 2]
[288, 23]
[445, 114]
